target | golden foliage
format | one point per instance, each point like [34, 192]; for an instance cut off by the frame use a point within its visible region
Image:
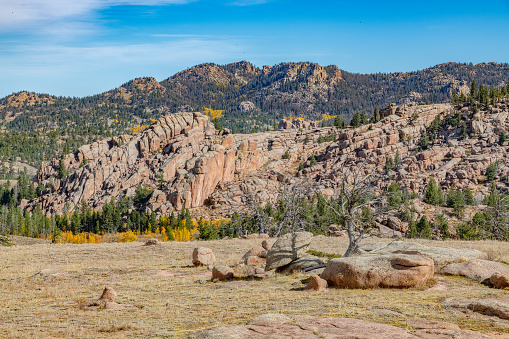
[80, 238]
[213, 113]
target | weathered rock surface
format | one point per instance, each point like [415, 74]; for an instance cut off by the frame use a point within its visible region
[488, 306]
[304, 327]
[476, 269]
[299, 264]
[203, 256]
[287, 248]
[385, 270]
[440, 255]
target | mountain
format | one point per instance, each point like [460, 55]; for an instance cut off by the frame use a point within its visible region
[243, 97]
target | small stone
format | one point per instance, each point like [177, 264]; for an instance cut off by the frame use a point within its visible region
[222, 273]
[259, 270]
[263, 254]
[266, 245]
[108, 294]
[151, 241]
[316, 283]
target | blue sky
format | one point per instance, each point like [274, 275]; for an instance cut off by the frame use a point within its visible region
[85, 47]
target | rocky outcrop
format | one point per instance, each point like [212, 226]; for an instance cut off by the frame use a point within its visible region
[477, 269]
[440, 255]
[182, 158]
[497, 307]
[188, 164]
[386, 271]
[303, 327]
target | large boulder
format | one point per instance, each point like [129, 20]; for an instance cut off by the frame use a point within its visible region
[440, 255]
[287, 248]
[203, 256]
[476, 269]
[387, 271]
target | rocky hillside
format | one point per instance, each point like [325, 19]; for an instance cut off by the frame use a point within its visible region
[189, 164]
[248, 97]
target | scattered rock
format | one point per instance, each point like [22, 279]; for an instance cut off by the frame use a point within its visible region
[222, 273]
[108, 294]
[259, 270]
[151, 241]
[287, 248]
[487, 306]
[476, 269]
[500, 280]
[263, 254]
[386, 271]
[266, 245]
[263, 236]
[316, 283]
[254, 252]
[203, 256]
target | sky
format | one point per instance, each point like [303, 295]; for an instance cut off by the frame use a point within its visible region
[85, 47]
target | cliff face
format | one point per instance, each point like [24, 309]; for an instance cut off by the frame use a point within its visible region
[181, 156]
[189, 164]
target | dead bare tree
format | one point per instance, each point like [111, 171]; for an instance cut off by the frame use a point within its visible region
[293, 197]
[356, 201]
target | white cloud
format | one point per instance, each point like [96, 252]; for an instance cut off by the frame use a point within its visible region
[79, 71]
[15, 14]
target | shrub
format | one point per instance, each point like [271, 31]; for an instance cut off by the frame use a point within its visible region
[491, 171]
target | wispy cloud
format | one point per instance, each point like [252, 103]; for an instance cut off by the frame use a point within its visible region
[79, 71]
[16, 14]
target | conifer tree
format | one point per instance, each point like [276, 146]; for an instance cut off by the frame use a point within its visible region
[376, 114]
[469, 197]
[431, 194]
[356, 120]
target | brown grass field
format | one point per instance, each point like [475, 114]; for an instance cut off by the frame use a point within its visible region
[171, 298]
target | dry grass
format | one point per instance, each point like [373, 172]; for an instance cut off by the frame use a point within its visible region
[173, 299]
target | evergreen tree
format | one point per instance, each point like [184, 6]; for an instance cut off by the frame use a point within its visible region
[356, 120]
[424, 228]
[376, 114]
[397, 157]
[442, 225]
[469, 197]
[432, 194]
[395, 196]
